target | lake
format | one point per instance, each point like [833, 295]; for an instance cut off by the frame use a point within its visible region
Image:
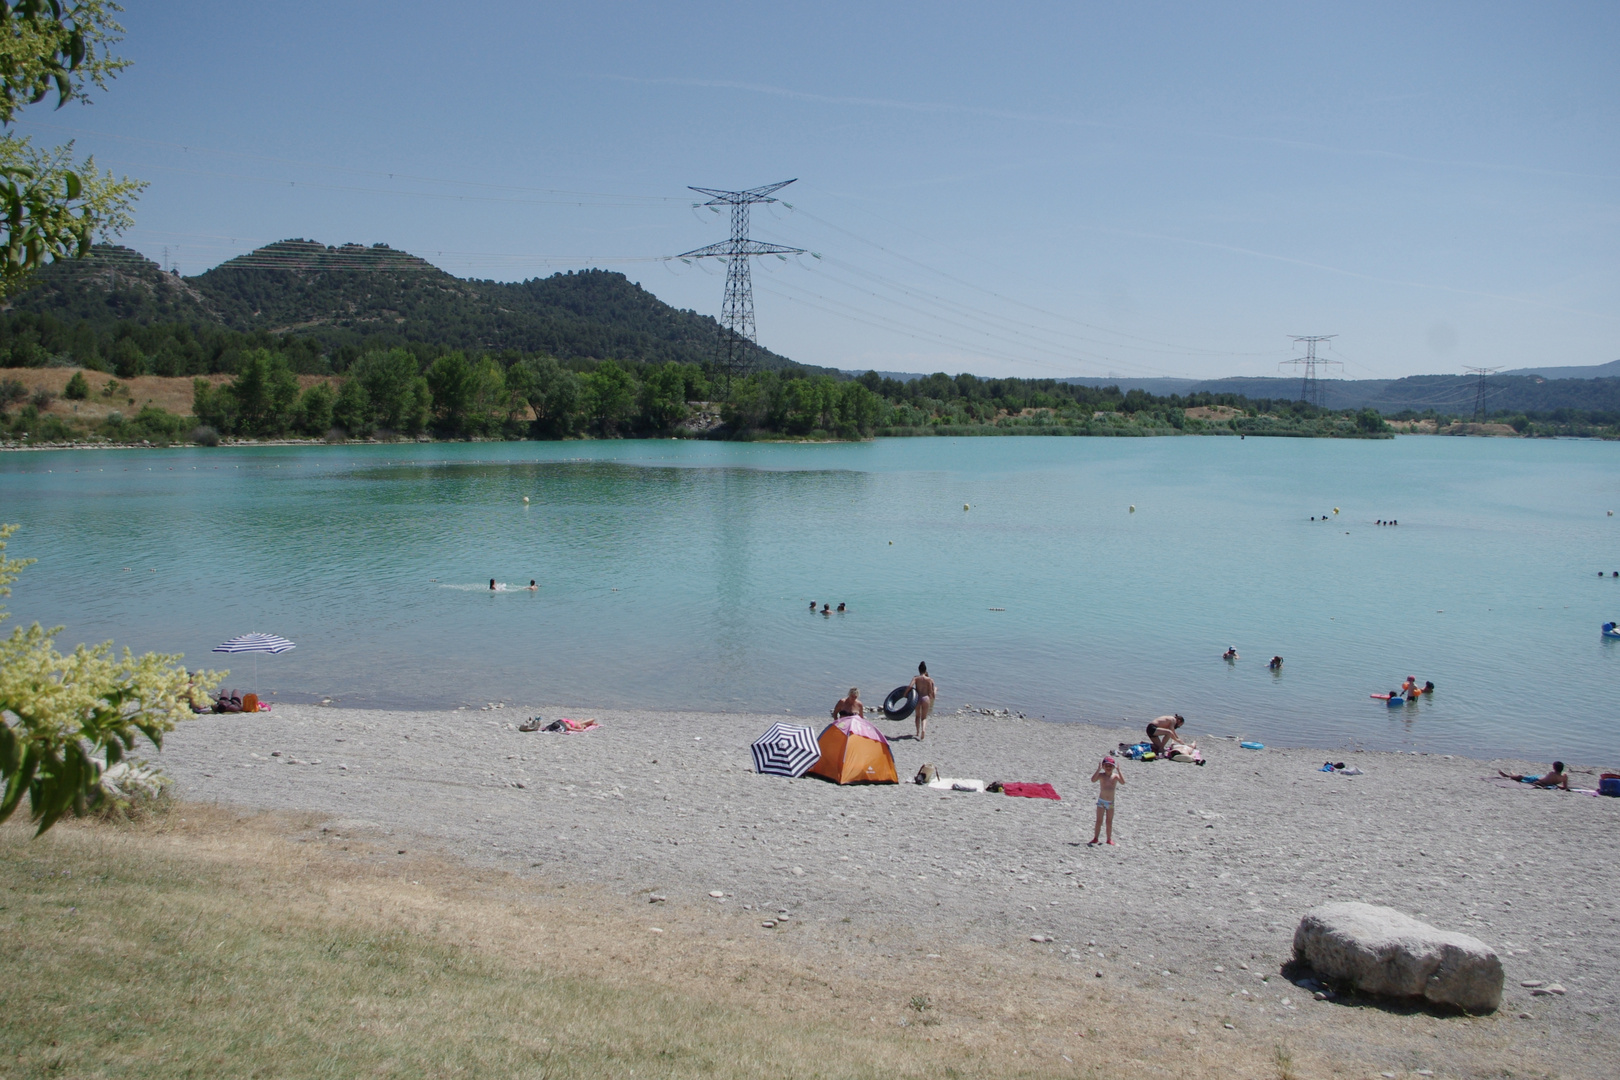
[678, 574]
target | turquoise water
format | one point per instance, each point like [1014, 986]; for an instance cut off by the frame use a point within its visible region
[678, 574]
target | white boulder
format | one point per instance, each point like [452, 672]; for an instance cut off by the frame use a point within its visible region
[1378, 950]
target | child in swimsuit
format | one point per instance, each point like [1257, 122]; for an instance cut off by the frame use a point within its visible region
[1107, 776]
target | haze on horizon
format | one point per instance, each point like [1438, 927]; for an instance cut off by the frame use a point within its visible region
[1010, 189]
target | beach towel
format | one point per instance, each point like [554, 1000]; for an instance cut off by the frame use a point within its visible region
[564, 724]
[1031, 791]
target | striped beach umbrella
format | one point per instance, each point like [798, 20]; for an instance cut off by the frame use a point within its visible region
[786, 750]
[255, 643]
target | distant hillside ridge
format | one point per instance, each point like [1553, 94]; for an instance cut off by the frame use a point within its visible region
[353, 295]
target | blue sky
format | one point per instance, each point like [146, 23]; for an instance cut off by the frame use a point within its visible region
[1008, 189]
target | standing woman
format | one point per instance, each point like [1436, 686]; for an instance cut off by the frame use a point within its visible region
[926, 693]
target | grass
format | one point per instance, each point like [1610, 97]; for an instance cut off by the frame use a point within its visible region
[197, 942]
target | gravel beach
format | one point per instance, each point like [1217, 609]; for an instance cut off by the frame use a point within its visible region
[1197, 904]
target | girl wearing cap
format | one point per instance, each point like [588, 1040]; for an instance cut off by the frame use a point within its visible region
[1108, 776]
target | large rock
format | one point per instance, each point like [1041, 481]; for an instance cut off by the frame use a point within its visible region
[1379, 950]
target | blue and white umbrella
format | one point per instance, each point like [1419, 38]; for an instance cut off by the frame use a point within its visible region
[786, 750]
[255, 643]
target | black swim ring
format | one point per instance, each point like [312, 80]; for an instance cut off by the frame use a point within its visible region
[900, 703]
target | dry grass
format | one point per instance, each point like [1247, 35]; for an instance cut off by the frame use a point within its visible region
[173, 394]
[204, 943]
[1212, 412]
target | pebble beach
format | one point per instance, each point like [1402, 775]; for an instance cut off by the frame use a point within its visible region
[1198, 901]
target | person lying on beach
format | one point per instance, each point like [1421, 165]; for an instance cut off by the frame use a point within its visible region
[1162, 730]
[1555, 779]
[1108, 776]
[850, 706]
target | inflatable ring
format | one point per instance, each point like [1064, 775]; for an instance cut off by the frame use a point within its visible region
[900, 703]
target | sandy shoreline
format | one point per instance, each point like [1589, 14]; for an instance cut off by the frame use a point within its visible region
[1215, 864]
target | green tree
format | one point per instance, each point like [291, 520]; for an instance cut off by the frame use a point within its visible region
[554, 393]
[400, 397]
[352, 409]
[213, 406]
[610, 398]
[52, 207]
[663, 396]
[452, 382]
[265, 392]
[315, 409]
[128, 363]
[65, 719]
[77, 389]
[1370, 422]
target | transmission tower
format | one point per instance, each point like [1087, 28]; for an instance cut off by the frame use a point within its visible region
[736, 347]
[1309, 391]
[1479, 389]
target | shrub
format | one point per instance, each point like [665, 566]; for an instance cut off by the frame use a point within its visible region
[42, 398]
[11, 392]
[203, 435]
[77, 388]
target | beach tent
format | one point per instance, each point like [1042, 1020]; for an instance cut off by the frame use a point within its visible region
[852, 750]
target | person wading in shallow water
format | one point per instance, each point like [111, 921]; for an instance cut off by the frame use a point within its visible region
[926, 693]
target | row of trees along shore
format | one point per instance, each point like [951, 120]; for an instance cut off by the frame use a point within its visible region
[291, 385]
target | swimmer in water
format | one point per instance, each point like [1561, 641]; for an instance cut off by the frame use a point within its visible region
[1231, 653]
[491, 584]
[840, 606]
[532, 586]
[812, 605]
[826, 609]
[1276, 663]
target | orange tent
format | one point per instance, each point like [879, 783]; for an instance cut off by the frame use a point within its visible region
[852, 751]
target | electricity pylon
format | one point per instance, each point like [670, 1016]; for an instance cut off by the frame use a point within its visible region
[1479, 389]
[1309, 391]
[736, 347]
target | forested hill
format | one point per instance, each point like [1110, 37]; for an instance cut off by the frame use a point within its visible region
[361, 296]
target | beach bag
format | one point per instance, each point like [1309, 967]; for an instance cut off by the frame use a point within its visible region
[1609, 784]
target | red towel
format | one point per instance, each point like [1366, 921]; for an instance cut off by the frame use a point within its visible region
[1031, 791]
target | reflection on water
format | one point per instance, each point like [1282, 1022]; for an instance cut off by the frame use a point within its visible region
[680, 574]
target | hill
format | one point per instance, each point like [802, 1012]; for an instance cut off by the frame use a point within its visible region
[354, 295]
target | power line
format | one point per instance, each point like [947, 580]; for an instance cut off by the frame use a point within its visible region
[1309, 390]
[737, 316]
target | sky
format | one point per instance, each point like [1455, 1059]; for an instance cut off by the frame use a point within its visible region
[1040, 190]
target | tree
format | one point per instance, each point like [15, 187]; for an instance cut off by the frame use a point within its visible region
[265, 392]
[352, 409]
[399, 396]
[610, 394]
[553, 392]
[52, 208]
[451, 381]
[77, 389]
[315, 409]
[663, 397]
[66, 719]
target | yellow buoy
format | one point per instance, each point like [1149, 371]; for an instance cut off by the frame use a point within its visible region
[525, 498]
[1133, 508]
[891, 543]
[964, 506]
[1335, 509]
